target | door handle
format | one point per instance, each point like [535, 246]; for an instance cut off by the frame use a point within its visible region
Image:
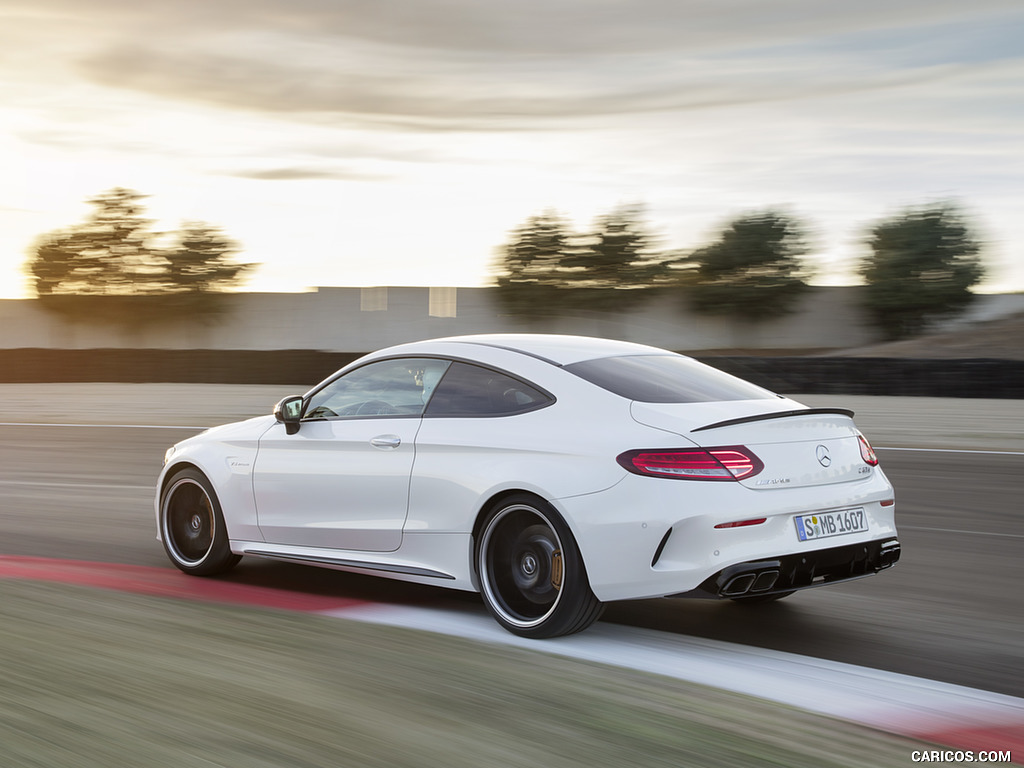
[386, 441]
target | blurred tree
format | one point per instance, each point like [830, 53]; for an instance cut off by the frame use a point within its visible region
[753, 271]
[922, 265]
[527, 266]
[202, 261]
[114, 255]
[54, 264]
[545, 268]
[108, 254]
[615, 263]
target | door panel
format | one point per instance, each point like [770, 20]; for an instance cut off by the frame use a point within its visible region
[341, 484]
[342, 480]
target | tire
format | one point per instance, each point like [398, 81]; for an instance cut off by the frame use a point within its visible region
[192, 526]
[761, 599]
[531, 573]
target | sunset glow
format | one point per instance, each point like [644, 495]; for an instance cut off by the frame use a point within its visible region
[398, 143]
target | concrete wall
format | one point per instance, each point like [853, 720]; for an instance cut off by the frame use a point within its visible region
[363, 319]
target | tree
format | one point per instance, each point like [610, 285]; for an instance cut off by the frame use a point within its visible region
[545, 267]
[114, 254]
[201, 261]
[754, 270]
[616, 255]
[610, 267]
[922, 265]
[527, 268]
[109, 254]
[54, 264]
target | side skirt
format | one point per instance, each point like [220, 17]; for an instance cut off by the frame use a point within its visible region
[345, 564]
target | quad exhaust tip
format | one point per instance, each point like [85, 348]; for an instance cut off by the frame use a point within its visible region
[751, 582]
[792, 572]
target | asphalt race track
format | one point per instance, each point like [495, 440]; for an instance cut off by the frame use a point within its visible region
[951, 611]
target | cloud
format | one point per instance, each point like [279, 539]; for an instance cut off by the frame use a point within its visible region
[494, 93]
[307, 174]
[458, 65]
[523, 27]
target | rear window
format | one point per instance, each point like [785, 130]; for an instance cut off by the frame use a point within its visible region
[665, 379]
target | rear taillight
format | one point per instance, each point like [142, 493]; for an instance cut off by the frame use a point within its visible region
[866, 451]
[731, 462]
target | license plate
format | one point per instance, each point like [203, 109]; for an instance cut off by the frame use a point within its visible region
[825, 524]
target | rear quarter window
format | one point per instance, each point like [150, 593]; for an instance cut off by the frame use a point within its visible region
[472, 390]
[666, 379]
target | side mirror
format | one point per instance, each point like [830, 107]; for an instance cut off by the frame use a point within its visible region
[289, 412]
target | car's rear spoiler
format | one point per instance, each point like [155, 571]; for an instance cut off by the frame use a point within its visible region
[777, 415]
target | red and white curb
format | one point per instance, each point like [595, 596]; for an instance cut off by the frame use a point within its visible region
[951, 715]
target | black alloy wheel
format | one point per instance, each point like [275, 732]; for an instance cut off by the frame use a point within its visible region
[532, 576]
[192, 527]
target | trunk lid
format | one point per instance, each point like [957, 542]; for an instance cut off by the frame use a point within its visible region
[798, 446]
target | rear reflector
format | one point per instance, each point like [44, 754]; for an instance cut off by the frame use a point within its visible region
[888, 502]
[732, 462]
[743, 523]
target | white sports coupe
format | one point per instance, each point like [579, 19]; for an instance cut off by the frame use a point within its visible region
[549, 473]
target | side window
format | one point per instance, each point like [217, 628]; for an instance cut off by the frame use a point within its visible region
[470, 390]
[386, 388]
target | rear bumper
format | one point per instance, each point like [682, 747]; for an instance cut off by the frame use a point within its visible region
[799, 571]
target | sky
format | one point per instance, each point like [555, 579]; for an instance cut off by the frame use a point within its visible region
[399, 142]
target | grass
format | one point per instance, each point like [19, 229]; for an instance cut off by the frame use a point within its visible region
[94, 678]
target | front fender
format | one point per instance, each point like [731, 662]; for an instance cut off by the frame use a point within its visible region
[226, 455]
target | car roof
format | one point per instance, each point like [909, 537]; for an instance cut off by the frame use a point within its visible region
[555, 348]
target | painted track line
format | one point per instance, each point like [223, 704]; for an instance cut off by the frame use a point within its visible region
[950, 450]
[97, 426]
[952, 715]
[961, 533]
[97, 486]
